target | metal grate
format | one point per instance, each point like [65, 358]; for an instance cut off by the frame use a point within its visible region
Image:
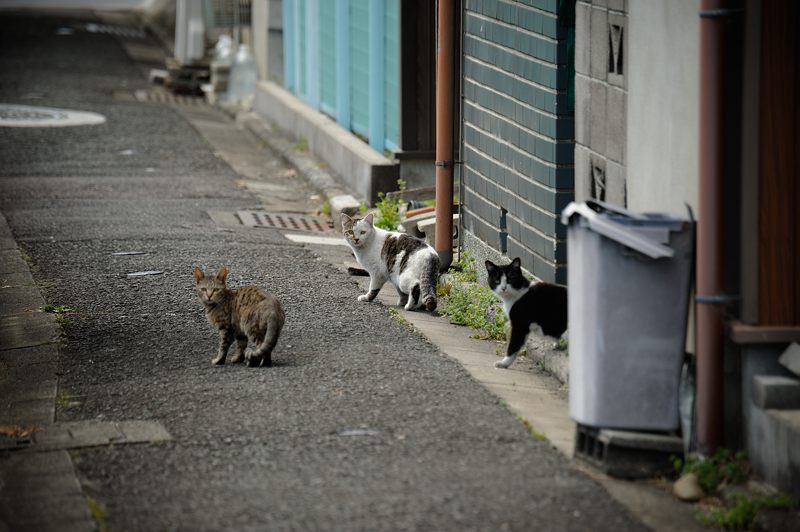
[152, 96]
[292, 222]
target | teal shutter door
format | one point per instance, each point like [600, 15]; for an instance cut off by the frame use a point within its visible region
[359, 65]
[327, 55]
[392, 75]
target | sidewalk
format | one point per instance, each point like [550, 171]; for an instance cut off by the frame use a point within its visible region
[538, 399]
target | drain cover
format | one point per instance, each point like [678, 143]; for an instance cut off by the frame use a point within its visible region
[293, 222]
[29, 116]
[150, 96]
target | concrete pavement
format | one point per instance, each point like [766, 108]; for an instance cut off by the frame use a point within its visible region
[362, 423]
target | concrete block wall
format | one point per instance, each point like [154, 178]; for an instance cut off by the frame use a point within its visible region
[601, 67]
[518, 129]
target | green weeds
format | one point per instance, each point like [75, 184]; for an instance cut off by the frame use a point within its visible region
[715, 472]
[725, 468]
[466, 303]
[325, 208]
[742, 510]
[64, 399]
[389, 216]
[98, 514]
[395, 313]
[300, 146]
[60, 311]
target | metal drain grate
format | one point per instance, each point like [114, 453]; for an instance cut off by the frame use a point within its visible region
[292, 222]
[150, 96]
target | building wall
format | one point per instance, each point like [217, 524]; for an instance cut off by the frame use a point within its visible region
[636, 103]
[663, 105]
[517, 129]
[601, 100]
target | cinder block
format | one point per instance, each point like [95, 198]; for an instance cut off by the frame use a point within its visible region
[616, 128]
[597, 124]
[598, 48]
[582, 37]
[583, 173]
[776, 392]
[626, 454]
[618, 76]
[617, 5]
[616, 186]
[583, 117]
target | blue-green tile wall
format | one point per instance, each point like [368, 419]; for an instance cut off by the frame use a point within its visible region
[518, 127]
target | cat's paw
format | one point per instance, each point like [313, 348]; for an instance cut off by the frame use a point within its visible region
[409, 305]
[363, 297]
[253, 361]
[505, 362]
[218, 361]
[238, 357]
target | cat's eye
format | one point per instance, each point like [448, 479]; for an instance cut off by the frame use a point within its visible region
[363, 232]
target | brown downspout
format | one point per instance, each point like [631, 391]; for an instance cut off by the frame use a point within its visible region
[709, 228]
[444, 134]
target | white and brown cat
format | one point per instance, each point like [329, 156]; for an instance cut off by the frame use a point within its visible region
[409, 263]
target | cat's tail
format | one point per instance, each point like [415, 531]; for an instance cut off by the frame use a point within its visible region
[263, 353]
[428, 282]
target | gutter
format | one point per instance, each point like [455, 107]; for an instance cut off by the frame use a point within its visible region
[443, 242]
[710, 299]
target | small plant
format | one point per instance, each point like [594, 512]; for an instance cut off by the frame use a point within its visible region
[562, 344]
[60, 311]
[464, 269]
[98, 514]
[742, 509]
[389, 216]
[300, 146]
[476, 307]
[533, 432]
[395, 313]
[721, 469]
[325, 208]
[64, 399]
[57, 309]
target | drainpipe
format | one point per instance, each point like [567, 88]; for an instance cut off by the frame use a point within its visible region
[709, 299]
[443, 242]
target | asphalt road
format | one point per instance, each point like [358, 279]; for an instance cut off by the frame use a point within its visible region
[360, 425]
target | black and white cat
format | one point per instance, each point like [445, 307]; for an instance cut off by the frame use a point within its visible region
[408, 262]
[538, 306]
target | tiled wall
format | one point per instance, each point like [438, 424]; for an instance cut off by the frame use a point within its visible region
[600, 100]
[518, 128]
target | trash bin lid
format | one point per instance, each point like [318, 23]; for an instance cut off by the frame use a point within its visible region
[645, 233]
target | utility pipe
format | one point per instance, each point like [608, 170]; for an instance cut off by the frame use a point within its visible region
[709, 333]
[443, 242]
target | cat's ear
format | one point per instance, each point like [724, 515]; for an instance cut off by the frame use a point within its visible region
[198, 274]
[222, 274]
[346, 220]
[516, 263]
[490, 266]
[368, 218]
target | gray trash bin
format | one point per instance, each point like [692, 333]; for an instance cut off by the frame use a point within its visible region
[628, 278]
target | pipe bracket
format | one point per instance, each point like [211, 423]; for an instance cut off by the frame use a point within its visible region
[716, 299]
[720, 13]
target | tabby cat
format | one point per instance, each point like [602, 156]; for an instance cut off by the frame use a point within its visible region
[242, 314]
[538, 306]
[408, 262]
